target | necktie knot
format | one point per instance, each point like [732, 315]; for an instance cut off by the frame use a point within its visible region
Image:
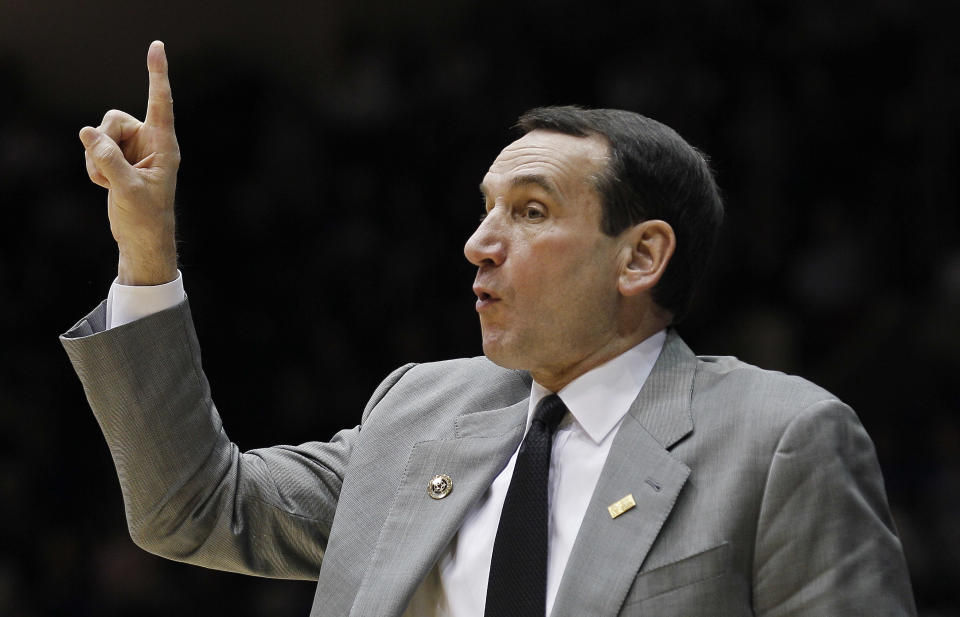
[550, 410]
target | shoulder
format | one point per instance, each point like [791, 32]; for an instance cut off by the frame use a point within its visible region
[727, 379]
[473, 384]
[761, 405]
[722, 390]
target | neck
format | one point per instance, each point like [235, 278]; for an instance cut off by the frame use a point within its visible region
[556, 379]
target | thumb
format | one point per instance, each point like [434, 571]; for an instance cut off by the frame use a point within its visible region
[106, 156]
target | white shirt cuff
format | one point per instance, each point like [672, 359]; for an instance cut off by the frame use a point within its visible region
[126, 303]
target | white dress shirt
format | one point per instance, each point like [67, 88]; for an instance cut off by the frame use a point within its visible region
[598, 400]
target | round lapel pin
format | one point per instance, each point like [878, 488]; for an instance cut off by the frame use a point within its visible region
[440, 486]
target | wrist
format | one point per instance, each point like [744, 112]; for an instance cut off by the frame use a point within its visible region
[146, 266]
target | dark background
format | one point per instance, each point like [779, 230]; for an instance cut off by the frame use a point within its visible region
[331, 154]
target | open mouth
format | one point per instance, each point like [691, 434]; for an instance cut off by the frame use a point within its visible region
[484, 298]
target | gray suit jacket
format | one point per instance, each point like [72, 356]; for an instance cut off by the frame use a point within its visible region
[757, 493]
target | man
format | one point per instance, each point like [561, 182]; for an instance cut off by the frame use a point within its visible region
[656, 483]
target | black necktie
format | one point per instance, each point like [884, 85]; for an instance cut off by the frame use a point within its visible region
[518, 571]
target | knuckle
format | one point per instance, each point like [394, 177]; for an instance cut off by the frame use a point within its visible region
[103, 151]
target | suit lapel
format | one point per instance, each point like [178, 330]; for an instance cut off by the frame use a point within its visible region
[608, 552]
[419, 527]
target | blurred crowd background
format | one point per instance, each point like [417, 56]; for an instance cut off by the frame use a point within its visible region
[331, 156]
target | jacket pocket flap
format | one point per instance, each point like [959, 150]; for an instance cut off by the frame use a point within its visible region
[701, 566]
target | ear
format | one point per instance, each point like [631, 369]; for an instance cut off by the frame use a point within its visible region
[648, 247]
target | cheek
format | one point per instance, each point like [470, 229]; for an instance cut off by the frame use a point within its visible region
[553, 279]
[584, 290]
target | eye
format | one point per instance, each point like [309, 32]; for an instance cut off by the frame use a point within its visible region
[533, 212]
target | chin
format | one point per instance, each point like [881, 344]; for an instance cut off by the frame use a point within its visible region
[501, 353]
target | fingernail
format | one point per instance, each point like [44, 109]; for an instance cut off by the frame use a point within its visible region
[87, 136]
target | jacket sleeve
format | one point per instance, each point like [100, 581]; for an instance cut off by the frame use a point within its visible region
[826, 543]
[189, 493]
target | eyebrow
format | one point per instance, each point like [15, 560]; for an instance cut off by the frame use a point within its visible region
[528, 179]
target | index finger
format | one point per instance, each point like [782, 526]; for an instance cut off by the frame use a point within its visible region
[160, 97]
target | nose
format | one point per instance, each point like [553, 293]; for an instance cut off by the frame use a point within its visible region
[487, 245]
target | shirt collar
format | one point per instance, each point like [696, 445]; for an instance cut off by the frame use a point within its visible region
[602, 396]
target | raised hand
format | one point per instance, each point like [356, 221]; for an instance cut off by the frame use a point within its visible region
[137, 163]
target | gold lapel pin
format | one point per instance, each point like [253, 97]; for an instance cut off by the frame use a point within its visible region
[440, 486]
[621, 505]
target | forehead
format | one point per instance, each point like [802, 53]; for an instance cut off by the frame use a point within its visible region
[567, 160]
